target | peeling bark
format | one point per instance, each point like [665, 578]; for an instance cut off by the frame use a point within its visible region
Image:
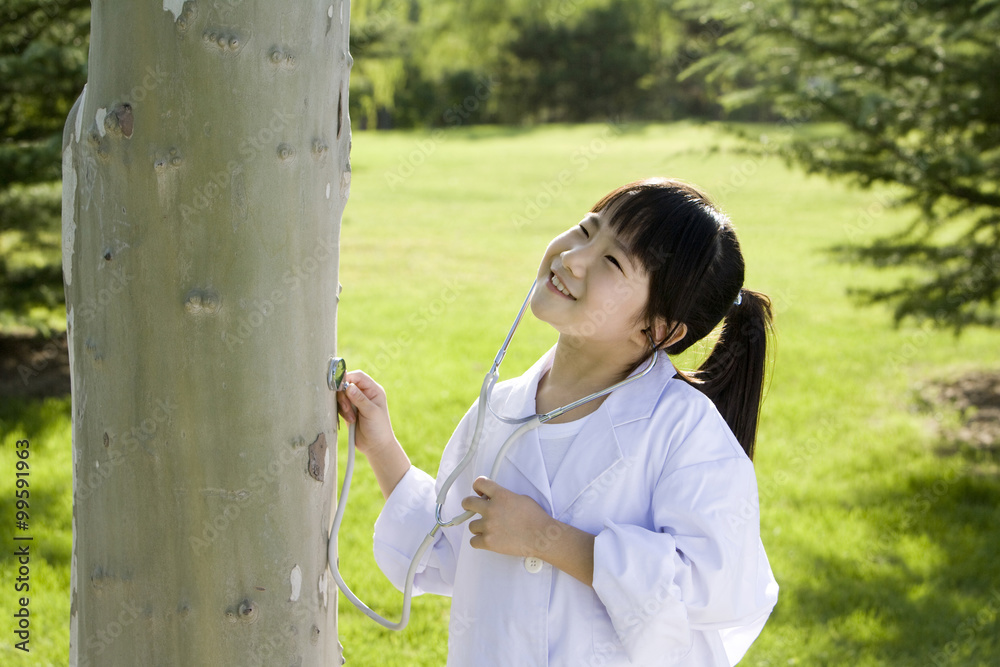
[317, 457]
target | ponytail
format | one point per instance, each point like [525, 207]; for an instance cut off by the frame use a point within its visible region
[692, 255]
[733, 374]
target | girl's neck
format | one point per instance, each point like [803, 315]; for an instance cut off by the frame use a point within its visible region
[580, 370]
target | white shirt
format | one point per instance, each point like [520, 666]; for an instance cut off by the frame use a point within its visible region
[680, 575]
[555, 440]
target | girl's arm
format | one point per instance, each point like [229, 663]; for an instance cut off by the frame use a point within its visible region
[364, 404]
[513, 524]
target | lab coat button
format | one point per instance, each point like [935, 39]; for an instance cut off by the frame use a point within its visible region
[533, 565]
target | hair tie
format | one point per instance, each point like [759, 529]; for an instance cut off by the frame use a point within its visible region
[739, 298]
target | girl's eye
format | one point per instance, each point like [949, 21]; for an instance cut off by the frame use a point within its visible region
[584, 230]
[615, 262]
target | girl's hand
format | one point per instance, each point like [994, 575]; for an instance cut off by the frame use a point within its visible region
[509, 523]
[364, 401]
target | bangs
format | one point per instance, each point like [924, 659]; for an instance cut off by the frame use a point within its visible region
[649, 217]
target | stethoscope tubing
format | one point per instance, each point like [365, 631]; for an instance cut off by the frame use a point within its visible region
[335, 561]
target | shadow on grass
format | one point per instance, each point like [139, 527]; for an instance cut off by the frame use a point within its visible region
[43, 423]
[883, 607]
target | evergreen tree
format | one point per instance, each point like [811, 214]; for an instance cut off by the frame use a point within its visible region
[913, 88]
[43, 66]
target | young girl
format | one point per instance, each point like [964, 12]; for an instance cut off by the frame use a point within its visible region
[626, 531]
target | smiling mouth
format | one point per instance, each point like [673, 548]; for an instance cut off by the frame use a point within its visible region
[555, 282]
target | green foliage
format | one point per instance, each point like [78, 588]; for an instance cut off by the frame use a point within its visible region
[420, 64]
[574, 72]
[381, 43]
[43, 53]
[914, 90]
[31, 288]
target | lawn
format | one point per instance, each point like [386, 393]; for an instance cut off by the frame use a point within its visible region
[884, 546]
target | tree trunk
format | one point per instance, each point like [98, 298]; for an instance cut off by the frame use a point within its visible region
[205, 170]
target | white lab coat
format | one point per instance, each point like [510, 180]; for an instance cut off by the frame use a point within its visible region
[680, 575]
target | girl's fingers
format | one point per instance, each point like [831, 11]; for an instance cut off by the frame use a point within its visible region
[364, 382]
[357, 376]
[345, 408]
[474, 504]
[486, 487]
[357, 397]
[343, 403]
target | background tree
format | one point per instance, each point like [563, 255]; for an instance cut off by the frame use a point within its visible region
[43, 66]
[382, 33]
[915, 96]
[205, 171]
[576, 71]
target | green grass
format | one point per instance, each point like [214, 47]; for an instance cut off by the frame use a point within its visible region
[884, 549]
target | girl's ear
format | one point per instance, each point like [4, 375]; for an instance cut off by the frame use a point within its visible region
[666, 334]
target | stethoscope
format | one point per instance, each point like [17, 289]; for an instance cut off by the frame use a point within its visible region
[335, 380]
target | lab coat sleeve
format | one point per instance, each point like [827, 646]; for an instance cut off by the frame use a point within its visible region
[405, 520]
[702, 567]
[409, 515]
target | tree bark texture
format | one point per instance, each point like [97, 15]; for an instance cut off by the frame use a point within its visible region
[205, 171]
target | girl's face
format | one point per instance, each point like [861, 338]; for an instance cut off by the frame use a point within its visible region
[589, 288]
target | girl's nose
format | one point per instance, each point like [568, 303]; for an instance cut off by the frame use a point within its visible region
[570, 259]
[575, 258]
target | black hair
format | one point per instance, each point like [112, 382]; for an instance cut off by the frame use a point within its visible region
[690, 251]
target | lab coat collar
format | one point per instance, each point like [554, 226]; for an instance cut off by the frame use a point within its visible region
[596, 449]
[632, 402]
